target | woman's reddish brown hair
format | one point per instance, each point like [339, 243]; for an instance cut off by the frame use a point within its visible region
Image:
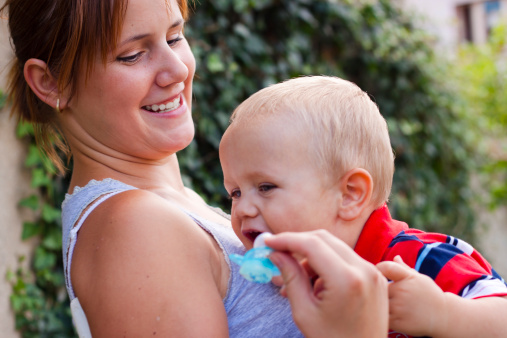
[66, 34]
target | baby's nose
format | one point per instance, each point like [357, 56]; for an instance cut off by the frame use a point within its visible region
[245, 208]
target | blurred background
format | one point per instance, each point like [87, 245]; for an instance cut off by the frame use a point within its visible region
[436, 68]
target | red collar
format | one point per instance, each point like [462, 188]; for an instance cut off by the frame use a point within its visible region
[378, 231]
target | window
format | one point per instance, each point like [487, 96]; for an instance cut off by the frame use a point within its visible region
[477, 19]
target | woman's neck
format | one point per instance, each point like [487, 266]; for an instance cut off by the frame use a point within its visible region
[149, 175]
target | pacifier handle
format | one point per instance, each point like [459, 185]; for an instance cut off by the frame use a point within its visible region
[259, 240]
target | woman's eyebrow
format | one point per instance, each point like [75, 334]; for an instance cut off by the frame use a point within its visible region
[177, 23]
[133, 38]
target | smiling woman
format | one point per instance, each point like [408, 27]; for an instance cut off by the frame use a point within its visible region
[143, 254]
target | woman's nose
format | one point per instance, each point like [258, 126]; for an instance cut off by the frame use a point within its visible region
[173, 68]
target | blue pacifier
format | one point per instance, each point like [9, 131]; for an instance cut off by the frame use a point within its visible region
[255, 265]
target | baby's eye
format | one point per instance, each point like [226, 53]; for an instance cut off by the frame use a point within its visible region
[235, 194]
[265, 187]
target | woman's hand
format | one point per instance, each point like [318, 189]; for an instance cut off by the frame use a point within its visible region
[349, 295]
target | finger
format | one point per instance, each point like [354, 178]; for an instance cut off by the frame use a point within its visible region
[339, 246]
[307, 268]
[318, 247]
[296, 285]
[318, 253]
[399, 260]
[394, 271]
[277, 280]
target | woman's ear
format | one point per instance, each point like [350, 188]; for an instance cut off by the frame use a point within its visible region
[356, 188]
[42, 82]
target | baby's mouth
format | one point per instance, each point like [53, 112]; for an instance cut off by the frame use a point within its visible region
[251, 235]
[165, 107]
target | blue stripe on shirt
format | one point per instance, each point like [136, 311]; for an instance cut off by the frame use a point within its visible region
[432, 258]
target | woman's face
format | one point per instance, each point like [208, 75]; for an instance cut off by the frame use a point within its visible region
[139, 103]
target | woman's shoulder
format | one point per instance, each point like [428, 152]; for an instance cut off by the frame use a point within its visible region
[143, 250]
[139, 211]
[139, 254]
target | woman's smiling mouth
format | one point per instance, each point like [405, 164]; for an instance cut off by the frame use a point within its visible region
[165, 107]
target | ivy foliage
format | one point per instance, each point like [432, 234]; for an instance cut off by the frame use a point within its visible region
[242, 46]
[39, 299]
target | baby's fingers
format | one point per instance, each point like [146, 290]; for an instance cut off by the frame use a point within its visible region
[394, 271]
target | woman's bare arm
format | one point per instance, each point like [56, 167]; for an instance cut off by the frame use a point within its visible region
[142, 268]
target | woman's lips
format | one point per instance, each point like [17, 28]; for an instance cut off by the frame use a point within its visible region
[164, 107]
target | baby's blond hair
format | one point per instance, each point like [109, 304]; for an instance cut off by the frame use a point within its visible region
[343, 126]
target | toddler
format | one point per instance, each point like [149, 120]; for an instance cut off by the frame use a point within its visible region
[314, 153]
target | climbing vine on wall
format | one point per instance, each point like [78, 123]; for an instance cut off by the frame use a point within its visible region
[39, 299]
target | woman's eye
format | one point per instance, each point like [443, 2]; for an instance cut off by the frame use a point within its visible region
[235, 194]
[266, 187]
[130, 58]
[173, 42]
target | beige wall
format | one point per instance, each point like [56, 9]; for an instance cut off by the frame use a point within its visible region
[493, 238]
[13, 186]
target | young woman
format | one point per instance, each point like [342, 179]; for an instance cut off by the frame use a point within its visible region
[144, 255]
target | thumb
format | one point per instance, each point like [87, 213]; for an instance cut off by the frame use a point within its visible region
[394, 271]
[297, 285]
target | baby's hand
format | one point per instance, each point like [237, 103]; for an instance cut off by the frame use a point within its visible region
[416, 303]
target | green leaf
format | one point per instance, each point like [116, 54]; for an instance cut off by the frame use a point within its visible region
[31, 202]
[30, 229]
[24, 129]
[40, 178]
[10, 276]
[50, 214]
[34, 157]
[53, 240]
[43, 259]
[3, 98]
[16, 303]
[215, 64]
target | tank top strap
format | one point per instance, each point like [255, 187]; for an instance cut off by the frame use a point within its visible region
[76, 208]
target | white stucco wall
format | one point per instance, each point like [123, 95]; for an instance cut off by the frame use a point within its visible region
[437, 17]
[493, 238]
[13, 187]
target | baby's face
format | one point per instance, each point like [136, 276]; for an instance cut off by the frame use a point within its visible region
[273, 183]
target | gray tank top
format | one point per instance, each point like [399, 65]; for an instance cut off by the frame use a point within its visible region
[253, 310]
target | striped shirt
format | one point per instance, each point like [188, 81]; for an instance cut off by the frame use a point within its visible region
[452, 263]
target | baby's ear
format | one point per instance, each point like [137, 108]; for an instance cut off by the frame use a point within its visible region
[356, 188]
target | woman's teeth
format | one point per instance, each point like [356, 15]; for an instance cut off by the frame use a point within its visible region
[164, 108]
